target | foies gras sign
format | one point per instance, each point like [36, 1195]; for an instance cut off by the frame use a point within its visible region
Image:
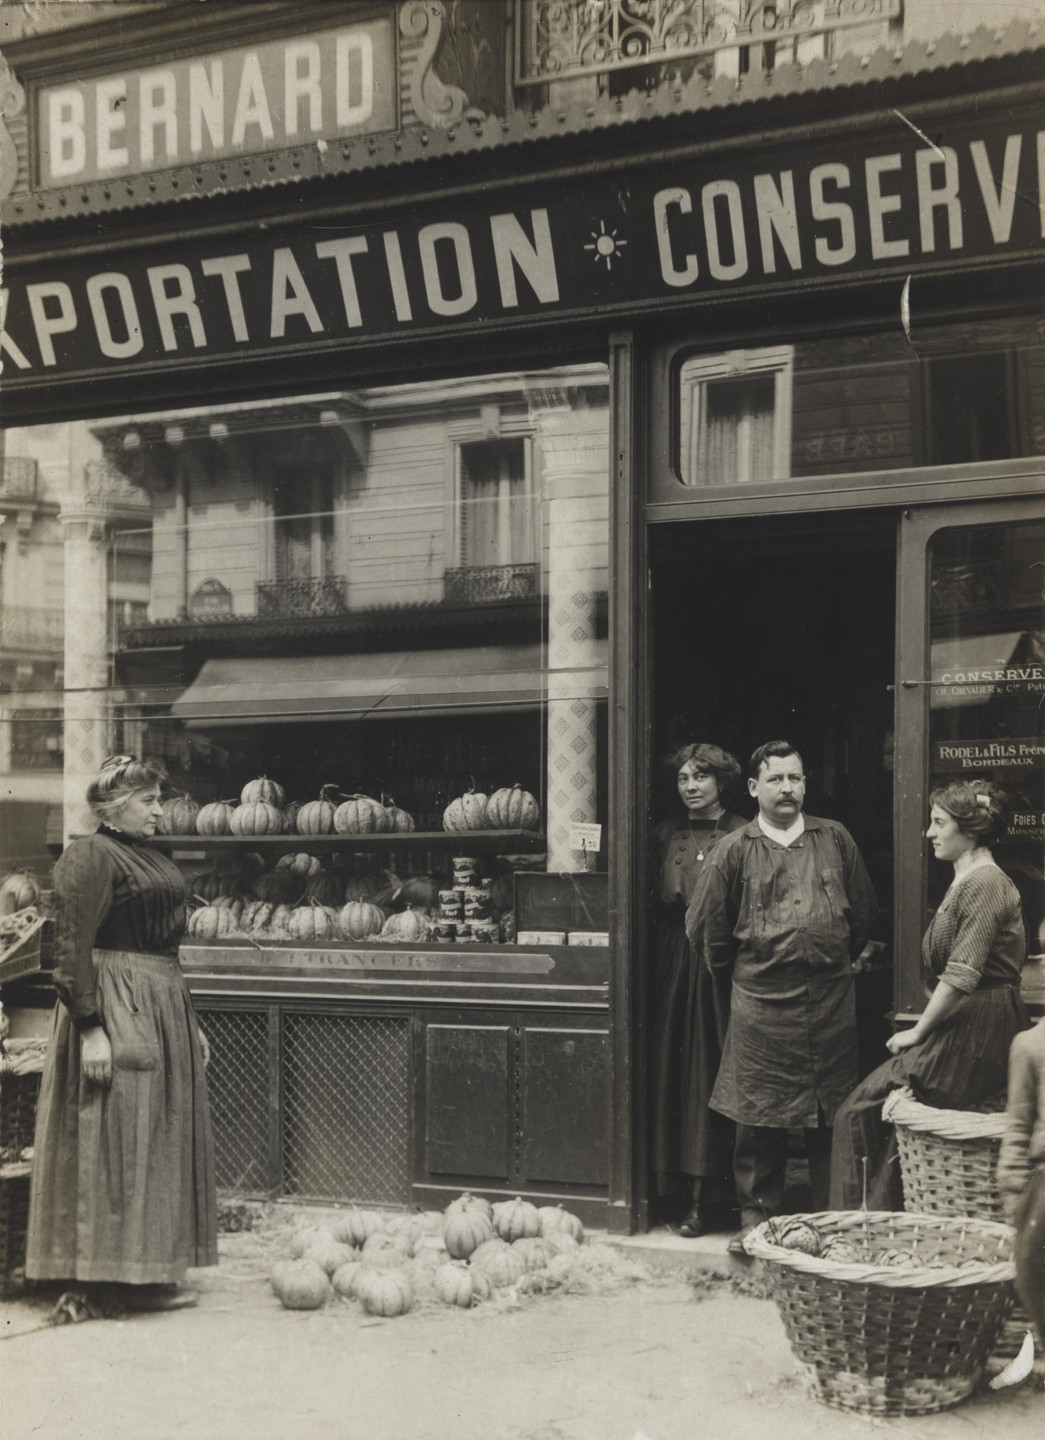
[894, 203]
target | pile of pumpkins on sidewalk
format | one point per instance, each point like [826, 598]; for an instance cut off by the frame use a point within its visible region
[462, 1255]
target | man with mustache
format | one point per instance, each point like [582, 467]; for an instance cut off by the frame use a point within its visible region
[784, 906]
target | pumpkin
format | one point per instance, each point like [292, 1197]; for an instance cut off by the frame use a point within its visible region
[328, 1253]
[499, 1262]
[793, 1234]
[458, 1283]
[559, 1242]
[843, 1251]
[408, 925]
[421, 892]
[412, 1230]
[300, 1284]
[397, 820]
[289, 811]
[512, 808]
[303, 1238]
[535, 1252]
[360, 815]
[256, 916]
[279, 922]
[316, 817]
[214, 818]
[358, 920]
[385, 1292]
[301, 865]
[279, 887]
[515, 1219]
[354, 1226]
[370, 885]
[555, 1217]
[212, 922]
[324, 888]
[211, 885]
[264, 790]
[470, 1202]
[384, 1251]
[467, 812]
[465, 1231]
[179, 816]
[345, 1277]
[309, 923]
[256, 817]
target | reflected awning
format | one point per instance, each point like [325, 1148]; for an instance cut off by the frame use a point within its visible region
[965, 668]
[482, 679]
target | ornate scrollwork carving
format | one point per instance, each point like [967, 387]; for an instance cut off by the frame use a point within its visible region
[434, 102]
[12, 102]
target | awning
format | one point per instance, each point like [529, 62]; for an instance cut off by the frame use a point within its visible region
[963, 667]
[483, 679]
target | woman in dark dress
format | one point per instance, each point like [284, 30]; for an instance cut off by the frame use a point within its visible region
[692, 1145]
[122, 1198]
[956, 1056]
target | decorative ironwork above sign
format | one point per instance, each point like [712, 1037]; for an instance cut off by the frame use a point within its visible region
[559, 39]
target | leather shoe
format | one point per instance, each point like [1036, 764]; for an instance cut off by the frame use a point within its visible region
[736, 1243]
[696, 1223]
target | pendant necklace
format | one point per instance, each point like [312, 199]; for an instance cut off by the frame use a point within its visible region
[718, 821]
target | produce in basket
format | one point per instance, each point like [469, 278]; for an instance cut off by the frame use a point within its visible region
[793, 1235]
[18, 891]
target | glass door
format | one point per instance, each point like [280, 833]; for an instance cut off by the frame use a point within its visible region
[970, 704]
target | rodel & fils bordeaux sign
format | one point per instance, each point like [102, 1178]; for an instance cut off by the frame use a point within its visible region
[896, 203]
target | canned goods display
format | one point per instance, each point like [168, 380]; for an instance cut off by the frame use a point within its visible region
[487, 932]
[464, 930]
[443, 931]
[476, 904]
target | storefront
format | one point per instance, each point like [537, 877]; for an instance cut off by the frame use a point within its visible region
[497, 440]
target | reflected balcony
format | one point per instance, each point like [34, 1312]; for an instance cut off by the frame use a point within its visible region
[286, 599]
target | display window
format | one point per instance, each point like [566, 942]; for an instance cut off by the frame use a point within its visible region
[371, 627]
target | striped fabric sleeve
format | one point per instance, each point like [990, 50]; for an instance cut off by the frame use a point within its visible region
[976, 915]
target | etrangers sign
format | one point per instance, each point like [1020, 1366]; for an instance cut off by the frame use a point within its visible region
[241, 101]
[895, 204]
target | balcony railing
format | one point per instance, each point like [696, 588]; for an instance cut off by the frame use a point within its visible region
[280, 599]
[563, 39]
[479, 584]
[24, 628]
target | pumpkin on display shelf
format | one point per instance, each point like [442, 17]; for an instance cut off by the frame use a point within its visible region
[279, 923]
[179, 816]
[467, 812]
[420, 892]
[316, 817]
[300, 865]
[300, 1284]
[372, 885]
[312, 922]
[212, 922]
[384, 1292]
[211, 885]
[256, 817]
[406, 925]
[256, 917]
[358, 920]
[361, 815]
[278, 886]
[265, 790]
[290, 812]
[324, 888]
[459, 1284]
[512, 808]
[215, 818]
[397, 820]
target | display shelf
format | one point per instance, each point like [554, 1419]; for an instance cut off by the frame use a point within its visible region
[464, 842]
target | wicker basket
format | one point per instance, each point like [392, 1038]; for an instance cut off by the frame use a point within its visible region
[904, 1321]
[18, 1099]
[14, 1225]
[26, 950]
[947, 1157]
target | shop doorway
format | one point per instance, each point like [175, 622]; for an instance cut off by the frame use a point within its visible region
[784, 627]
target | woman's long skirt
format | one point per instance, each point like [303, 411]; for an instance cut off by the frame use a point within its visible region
[123, 1175]
[689, 1014]
[963, 1064]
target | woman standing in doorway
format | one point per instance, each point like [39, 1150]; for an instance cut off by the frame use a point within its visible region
[956, 1055]
[122, 1196]
[692, 1145]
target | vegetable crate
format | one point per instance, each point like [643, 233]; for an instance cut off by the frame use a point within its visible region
[890, 1313]
[25, 944]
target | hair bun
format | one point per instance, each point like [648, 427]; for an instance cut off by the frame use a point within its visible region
[117, 762]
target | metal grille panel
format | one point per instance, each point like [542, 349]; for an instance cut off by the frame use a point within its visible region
[346, 1108]
[238, 1082]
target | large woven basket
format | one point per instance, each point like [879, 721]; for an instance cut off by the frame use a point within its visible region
[947, 1157]
[902, 1318]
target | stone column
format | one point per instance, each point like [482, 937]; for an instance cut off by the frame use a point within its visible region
[573, 452]
[87, 726]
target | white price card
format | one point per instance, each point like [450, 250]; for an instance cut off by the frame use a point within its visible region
[585, 837]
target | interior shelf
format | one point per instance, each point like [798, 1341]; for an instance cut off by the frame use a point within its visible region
[464, 842]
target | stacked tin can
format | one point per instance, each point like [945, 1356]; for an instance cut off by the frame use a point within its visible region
[464, 907]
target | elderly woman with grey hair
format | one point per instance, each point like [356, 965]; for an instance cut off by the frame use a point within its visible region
[122, 1197]
[692, 1146]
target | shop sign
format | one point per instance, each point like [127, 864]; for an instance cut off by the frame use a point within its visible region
[1015, 754]
[655, 238]
[248, 100]
[1025, 825]
[210, 598]
[955, 687]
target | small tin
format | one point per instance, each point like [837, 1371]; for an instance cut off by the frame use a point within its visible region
[476, 904]
[444, 931]
[486, 932]
[463, 930]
